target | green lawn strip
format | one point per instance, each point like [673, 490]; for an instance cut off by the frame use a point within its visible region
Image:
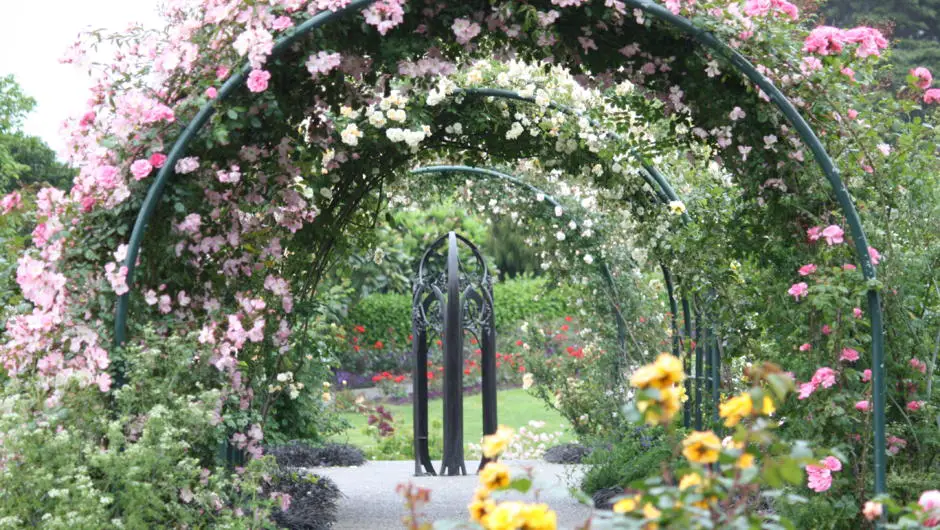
[515, 408]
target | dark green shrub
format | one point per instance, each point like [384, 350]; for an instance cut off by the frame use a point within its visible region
[312, 501]
[571, 453]
[299, 454]
[637, 456]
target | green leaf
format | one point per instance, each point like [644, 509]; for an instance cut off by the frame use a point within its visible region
[521, 484]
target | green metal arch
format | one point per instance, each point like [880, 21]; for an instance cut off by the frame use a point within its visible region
[516, 181]
[683, 25]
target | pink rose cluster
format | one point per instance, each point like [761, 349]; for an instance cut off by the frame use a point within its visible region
[11, 201]
[819, 476]
[824, 377]
[930, 502]
[762, 8]
[827, 40]
[922, 80]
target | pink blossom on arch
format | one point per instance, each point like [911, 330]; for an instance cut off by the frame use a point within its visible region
[190, 223]
[807, 269]
[737, 114]
[919, 365]
[833, 235]
[117, 277]
[849, 354]
[187, 165]
[863, 406]
[157, 160]
[465, 30]
[810, 64]
[798, 290]
[922, 77]
[826, 329]
[824, 40]
[848, 267]
[866, 375]
[914, 406]
[930, 502]
[141, 169]
[874, 255]
[281, 23]
[323, 63]
[11, 201]
[806, 346]
[385, 15]
[258, 80]
[857, 312]
[895, 444]
[932, 96]
[211, 92]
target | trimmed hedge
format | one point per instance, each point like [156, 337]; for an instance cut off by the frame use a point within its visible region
[388, 316]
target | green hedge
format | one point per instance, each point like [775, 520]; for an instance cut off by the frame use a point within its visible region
[388, 316]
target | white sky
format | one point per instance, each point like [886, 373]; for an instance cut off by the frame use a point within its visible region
[34, 34]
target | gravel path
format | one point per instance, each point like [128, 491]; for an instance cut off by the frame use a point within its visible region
[370, 501]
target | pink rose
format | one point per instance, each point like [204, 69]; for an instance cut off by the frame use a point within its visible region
[922, 77]
[848, 354]
[930, 502]
[806, 390]
[832, 463]
[157, 160]
[819, 478]
[866, 375]
[872, 510]
[826, 330]
[919, 365]
[824, 40]
[806, 346]
[853, 114]
[258, 80]
[932, 96]
[863, 406]
[798, 290]
[211, 92]
[825, 377]
[833, 235]
[814, 233]
[807, 269]
[849, 267]
[874, 255]
[141, 168]
[857, 312]
[914, 406]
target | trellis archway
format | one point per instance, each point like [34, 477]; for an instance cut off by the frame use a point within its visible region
[681, 24]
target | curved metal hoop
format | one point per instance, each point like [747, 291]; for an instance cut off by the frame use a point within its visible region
[685, 26]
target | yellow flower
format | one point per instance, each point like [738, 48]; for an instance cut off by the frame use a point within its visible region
[627, 505]
[735, 409]
[768, 407]
[650, 511]
[687, 481]
[702, 447]
[480, 507]
[665, 372]
[495, 476]
[745, 461]
[676, 207]
[513, 515]
[495, 444]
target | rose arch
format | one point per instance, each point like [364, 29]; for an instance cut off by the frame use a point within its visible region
[275, 162]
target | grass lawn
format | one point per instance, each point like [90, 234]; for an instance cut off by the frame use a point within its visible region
[514, 407]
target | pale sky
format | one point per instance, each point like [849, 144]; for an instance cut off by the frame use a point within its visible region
[33, 35]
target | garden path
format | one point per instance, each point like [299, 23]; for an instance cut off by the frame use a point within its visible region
[370, 501]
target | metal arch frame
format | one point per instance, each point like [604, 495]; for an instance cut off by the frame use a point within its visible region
[684, 26]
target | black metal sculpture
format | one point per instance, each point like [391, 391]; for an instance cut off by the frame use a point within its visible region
[451, 299]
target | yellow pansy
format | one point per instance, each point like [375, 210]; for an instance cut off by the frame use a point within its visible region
[627, 505]
[745, 461]
[768, 407]
[735, 409]
[495, 476]
[701, 447]
[495, 444]
[650, 511]
[687, 481]
[665, 372]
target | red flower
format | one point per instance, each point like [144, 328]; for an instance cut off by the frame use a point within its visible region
[568, 319]
[376, 378]
[519, 342]
[356, 347]
[378, 345]
[360, 329]
[473, 341]
[430, 374]
[439, 342]
[411, 337]
[564, 327]
[466, 371]
[399, 378]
